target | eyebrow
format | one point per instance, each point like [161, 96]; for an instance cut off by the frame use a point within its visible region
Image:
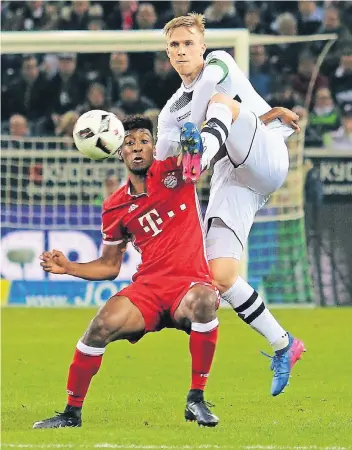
[177, 42]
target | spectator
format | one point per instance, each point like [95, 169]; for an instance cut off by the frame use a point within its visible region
[252, 20]
[28, 95]
[285, 56]
[95, 99]
[178, 8]
[130, 100]
[119, 69]
[222, 14]
[123, 15]
[341, 81]
[77, 16]
[18, 127]
[49, 66]
[68, 87]
[93, 64]
[64, 129]
[300, 81]
[324, 118]
[146, 18]
[162, 82]
[341, 140]
[260, 74]
[111, 184]
[309, 17]
[283, 95]
[29, 16]
[332, 24]
[18, 130]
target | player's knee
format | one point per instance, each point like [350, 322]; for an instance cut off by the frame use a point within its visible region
[232, 104]
[203, 303]
[100, 331]
[224, 276]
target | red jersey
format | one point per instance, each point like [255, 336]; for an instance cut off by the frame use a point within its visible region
[164, 224]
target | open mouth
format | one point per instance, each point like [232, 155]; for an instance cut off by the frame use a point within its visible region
[138, 159]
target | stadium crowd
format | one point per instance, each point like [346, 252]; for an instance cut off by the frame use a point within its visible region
[43, 94]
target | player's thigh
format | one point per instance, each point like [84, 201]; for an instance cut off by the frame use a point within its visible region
[200, 301]
[261, 154]
[117, 319]
[229, 218]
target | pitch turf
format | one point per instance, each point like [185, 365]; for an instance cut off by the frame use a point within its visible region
[137, 399]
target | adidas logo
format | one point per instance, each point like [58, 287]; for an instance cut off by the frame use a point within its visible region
[132, 207]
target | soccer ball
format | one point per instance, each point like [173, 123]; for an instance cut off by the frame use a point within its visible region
[98, 134]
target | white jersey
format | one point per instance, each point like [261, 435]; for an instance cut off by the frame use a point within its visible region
[234, 84]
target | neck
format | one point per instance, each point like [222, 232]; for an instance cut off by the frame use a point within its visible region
[189, 78]
[138, 184]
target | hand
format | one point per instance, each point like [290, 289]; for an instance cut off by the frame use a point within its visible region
[54, 262]
[289, 118]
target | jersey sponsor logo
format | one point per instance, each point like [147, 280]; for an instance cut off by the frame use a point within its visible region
[170, 181]
[184, 116]
[152, 219]
[132, 207]
[148, 223]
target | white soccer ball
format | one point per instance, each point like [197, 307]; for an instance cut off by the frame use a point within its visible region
[98, 134]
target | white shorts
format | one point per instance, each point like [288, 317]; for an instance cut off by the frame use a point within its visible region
[255, 166]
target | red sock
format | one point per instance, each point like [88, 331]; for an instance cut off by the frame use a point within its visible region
[202, 347]
[82, 370]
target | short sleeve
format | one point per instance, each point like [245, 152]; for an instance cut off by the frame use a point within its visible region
[111, 227]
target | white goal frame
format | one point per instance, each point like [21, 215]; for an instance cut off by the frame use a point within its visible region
[13, 42]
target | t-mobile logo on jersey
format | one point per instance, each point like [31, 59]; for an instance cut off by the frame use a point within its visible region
[151, 219]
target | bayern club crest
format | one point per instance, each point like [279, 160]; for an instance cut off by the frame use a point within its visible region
[170, 181]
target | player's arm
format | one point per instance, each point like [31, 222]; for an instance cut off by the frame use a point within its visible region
[168, 140]
[107, 267]
[215, 71]
[286, 116]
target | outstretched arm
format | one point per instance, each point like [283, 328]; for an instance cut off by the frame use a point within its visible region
[286, 116]
[107, 267]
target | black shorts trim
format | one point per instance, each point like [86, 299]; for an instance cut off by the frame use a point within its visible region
[250, 147]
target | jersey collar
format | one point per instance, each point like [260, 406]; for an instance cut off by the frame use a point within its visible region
[128, 183]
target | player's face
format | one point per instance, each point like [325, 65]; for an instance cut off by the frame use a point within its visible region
[185, 48]
[137, 151]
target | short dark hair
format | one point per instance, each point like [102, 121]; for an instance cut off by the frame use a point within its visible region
[135, 122]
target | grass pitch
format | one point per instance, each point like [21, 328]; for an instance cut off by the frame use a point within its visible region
[137, 399]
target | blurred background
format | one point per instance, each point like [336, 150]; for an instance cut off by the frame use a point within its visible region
[300, 250]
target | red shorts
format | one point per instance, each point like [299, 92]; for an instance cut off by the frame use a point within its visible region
[158, 299]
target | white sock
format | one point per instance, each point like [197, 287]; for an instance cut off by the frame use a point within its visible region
[252, 310]
[215, 131]
[88, 350]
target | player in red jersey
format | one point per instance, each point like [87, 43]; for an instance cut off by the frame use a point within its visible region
[159, 214]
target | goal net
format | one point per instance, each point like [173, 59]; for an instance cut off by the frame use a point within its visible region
[47, 186]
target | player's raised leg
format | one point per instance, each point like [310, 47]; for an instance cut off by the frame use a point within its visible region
[197, 310]
[117, 319]
[224, 250]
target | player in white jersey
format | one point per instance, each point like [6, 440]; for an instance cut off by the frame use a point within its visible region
[251, 165]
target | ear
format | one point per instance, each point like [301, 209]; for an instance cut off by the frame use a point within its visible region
[119, 155]
[167, 51]
[204, 47]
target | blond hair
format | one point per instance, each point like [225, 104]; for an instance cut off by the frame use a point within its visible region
[191, 20]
